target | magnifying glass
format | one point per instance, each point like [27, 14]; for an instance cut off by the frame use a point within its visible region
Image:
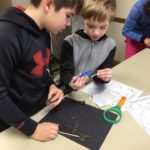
[116, 110]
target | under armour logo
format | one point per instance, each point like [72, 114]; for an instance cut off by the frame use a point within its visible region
[40, 63]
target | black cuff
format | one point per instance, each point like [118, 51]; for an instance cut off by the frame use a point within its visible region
[28, 127]
[97, 80]
[143, 38]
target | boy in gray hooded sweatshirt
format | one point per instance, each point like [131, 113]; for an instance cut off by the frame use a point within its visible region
[89, 49]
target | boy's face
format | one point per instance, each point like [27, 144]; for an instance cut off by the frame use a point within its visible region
[95, 29]
[57, 21]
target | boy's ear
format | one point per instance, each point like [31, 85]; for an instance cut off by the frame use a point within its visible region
[48, 4]
[83, 20]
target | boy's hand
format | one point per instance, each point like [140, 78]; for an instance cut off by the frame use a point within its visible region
[45, 132]
[55, 96]
[147, 42]
[104, 74]
[79, 82]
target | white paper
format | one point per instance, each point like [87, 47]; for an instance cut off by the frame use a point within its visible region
[140, 111]
[109, 93]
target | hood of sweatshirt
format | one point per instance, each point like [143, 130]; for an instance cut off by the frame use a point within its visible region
[18, 17]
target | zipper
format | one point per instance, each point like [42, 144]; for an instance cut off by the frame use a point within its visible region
[48, 71]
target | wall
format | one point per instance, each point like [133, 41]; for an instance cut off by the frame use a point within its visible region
[21, 2]
[115, 30]
[4, 4]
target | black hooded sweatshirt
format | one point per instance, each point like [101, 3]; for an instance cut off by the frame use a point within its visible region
[24, 59]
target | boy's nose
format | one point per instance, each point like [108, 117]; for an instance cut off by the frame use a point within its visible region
[68, 23]
[97, 32]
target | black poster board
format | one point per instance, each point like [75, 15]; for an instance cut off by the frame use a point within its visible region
[81, 119]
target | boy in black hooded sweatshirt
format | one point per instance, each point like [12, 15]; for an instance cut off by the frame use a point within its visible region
[25, 84]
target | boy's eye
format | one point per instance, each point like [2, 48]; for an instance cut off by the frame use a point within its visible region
[68, 16]
[91, 27]
[103, 27]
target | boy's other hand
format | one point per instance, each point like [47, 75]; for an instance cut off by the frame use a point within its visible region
[45, 132]
[147, 42]
[104, 74]
[79, 82]
[55, 96]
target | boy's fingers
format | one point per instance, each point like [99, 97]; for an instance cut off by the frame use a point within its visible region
[51, 93]
[57, 98]
[57, 101]
[54, 99]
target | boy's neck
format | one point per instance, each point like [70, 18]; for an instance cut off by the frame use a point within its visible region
[36, 14]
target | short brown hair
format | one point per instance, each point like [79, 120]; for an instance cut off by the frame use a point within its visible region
[63, 3]
[99, 10]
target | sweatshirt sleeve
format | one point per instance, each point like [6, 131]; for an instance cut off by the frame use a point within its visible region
[108, 63]
[67, 63]
[129, 29]
[10, 52]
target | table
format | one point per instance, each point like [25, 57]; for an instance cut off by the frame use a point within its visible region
[127, 135]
